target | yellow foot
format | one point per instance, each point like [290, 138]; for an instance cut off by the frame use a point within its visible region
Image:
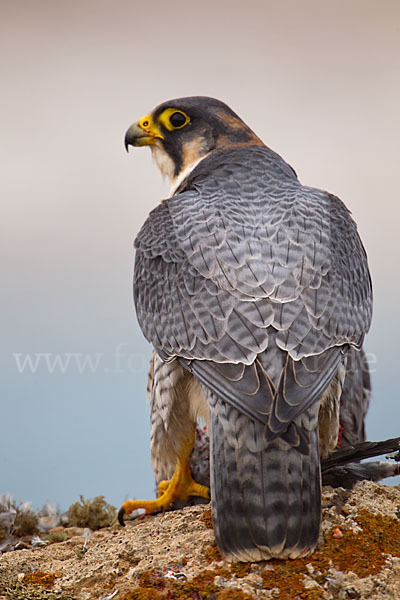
[181, 487]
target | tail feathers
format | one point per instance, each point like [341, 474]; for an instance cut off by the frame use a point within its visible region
[266, 503]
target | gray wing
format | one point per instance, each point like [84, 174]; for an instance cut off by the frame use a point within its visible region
[248, 267]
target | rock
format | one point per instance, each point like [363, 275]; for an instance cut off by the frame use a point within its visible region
[137, 560]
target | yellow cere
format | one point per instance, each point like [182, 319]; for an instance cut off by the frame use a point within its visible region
[173, 118]
[147, 124]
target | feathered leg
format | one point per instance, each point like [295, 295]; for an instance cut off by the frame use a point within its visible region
[175, 400]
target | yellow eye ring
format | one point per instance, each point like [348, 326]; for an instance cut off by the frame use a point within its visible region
[173, 118]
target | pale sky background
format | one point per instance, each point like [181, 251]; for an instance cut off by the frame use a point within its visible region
[318, 81]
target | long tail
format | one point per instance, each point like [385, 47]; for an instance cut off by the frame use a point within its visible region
[266, 497]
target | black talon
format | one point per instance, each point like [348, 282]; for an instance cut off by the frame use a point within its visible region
[121, 514]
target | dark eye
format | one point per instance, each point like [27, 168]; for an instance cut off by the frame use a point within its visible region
[177, 119]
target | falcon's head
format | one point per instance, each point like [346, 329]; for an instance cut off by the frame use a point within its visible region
[182, 132]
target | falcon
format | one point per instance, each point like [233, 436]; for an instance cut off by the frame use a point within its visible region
[254, 291]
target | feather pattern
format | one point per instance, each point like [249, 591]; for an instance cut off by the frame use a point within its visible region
[215, 260]
[258, 288]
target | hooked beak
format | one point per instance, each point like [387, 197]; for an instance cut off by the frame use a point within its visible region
[138, 135]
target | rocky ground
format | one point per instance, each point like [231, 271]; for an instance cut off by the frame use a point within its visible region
[173, 555]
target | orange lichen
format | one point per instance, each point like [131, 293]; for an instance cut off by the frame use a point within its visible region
[39, 578]
[153, 579]
[383, 531]
[222, 572]
[233, 594]
[203, 582]
[154, 586]
[288, 577]
[142, 594]
[241, 569]
[206, 518]
[362, 553]
[211, 553]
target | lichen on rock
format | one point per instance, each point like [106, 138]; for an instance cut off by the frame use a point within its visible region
[174, 556]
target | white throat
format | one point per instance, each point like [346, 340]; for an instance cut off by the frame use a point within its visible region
[166, 165]
[163, 161]
[176, 181]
